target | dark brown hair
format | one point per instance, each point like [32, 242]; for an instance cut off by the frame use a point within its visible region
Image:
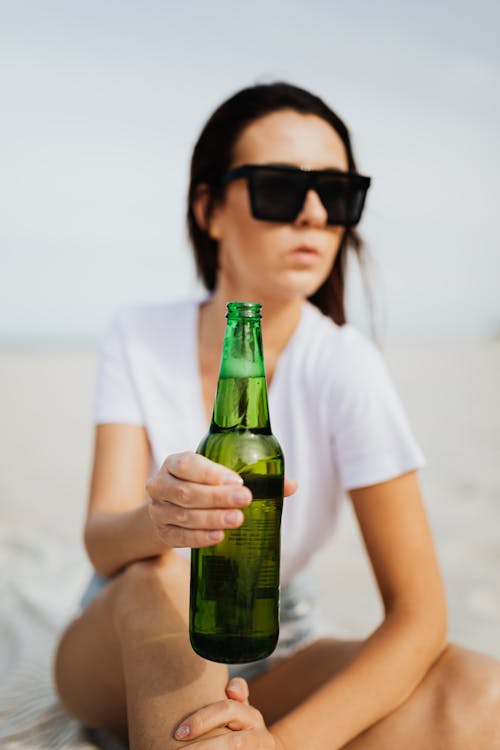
[212, 157]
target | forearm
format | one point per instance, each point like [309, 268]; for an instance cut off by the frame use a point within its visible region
[388, 667]
[115, 539]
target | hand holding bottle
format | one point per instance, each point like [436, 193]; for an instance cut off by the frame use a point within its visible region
[193, 499]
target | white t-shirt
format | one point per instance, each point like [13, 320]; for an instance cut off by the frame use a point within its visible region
[333, 409]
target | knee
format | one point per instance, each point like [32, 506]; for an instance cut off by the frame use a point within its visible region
[468, 700]
[151, 612]
[151, 588]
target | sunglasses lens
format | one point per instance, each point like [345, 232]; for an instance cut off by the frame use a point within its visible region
[276, 195]
[334, 194]
[356, 203]
[342, 199]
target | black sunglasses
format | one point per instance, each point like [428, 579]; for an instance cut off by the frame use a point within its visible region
[277, 193]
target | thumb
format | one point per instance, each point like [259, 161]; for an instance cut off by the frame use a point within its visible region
[290, 487]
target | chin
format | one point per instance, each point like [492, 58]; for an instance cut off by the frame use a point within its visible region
[302, 287]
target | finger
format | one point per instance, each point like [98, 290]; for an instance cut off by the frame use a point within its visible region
[175, 536]
[169, 514]
[167, 488]
[230, 713]
[237, 689]
[196, 468]
[190, 495]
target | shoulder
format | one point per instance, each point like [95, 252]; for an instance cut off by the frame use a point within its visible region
[153, 324]
[142, 318]
[144, 334]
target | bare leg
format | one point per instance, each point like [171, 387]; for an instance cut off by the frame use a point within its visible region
[126, 663]
[455, 707]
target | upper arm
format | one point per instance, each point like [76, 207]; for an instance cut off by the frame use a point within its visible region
[122, 459]
[398, 539]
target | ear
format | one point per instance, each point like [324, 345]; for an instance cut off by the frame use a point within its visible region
[200, 206]
[203, 212]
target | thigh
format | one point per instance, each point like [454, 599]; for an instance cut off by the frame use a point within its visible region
[126, 664]
[455, 707]
[88, 666]
[456, 704]
[115, 648]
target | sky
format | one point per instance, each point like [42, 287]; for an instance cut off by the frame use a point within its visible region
[101, 103]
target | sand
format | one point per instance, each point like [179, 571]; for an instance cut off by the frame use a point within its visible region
[452, 395]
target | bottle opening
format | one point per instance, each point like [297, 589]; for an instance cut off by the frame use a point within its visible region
[244, 310]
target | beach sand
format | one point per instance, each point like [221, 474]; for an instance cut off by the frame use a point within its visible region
[452, 396]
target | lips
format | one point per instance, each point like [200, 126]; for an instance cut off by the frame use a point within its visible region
[306, 252]
[304, 257]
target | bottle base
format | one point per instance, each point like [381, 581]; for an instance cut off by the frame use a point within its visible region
[233, 649]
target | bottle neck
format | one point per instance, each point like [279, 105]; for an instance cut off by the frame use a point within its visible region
[241, 398]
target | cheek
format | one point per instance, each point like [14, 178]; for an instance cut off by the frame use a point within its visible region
[337, 236]
[235, 221]
[239, 241]
[242, 234]
[237, 246]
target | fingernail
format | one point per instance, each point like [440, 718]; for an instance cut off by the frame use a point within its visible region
[235, 687]
[215, 535]
[231, 478]
[182, 732]
[233, 517]
[241, 497]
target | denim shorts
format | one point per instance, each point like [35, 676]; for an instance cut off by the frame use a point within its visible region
[299, 621]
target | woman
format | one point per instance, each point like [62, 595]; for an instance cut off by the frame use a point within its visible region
[271, 219]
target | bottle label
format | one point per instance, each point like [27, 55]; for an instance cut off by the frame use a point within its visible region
[217, 571]
[248, 558]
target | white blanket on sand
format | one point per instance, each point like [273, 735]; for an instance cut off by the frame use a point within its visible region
[41, 581]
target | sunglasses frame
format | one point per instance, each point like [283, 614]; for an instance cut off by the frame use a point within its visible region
[311, 179]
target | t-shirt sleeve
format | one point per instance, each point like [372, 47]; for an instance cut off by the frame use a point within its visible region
[116, 399]
[372, 437]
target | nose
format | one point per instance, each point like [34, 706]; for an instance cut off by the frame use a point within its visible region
[313, 212]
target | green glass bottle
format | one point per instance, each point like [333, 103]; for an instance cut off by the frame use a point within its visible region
[234, 608]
